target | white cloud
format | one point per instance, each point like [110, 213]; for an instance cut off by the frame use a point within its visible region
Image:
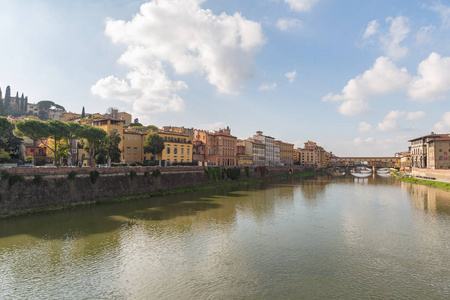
[354, 107]
[146, 89]
[433, 80]
[286, 24]
[267, 87]
[182, 35]
[214, 126]
[423, 36]
[444, 125]
[372, 28]
[291, 76]
[364, 127]
[301, 5]
[398, 31]
[413, 116]
[444, 13]
[384, 77]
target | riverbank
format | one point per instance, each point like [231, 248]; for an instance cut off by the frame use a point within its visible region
[427, 182]
[26, 193]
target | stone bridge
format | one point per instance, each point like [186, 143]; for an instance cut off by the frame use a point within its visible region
[376, 162]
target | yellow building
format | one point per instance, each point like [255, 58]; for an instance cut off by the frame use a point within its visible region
[178, 148]
[69, 116]
[286, 153]
[132, 146]
[245, 160]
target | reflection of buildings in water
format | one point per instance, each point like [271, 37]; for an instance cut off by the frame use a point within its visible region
[428, 198]
[312, 189]
[363, 181]
[263, 202]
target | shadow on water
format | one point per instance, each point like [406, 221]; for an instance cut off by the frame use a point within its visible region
[108, 217]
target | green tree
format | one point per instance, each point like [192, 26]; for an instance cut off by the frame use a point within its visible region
[93, 136]
[22, 104]
[7, 99]
[74, 134]
[109, 149]
[57, 131]
[9, 142]
[5, 125]
[154, 144]
[61, 147]
[83, 114]
[149, 128]
[32, 129]
[2, 108]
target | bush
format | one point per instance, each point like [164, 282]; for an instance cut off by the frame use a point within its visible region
[5, 157]
[133, 175]
[37, 180]
[156, 173]
[247, 171]
[29, 159]
[15, 178]
[94, 176]
[5, 175]
[233, 173]
[72, 175]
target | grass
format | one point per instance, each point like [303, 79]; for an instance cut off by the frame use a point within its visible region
[431, 183]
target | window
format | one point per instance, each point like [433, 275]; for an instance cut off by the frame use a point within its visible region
[184, 140]
[135, 150]
[168, 150]
[128, 150]
[188, 151]
[165, 138]
[175, 151]
[32, 150]
[135, 138]
[440, 158]
[128, 138]
[182, 151]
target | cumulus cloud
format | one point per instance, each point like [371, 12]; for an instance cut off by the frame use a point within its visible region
[413, 116]
[267, 87]
[181, 35]
[384, 77]
[433, 80]
[398, 31]
[301, 5]
[146, 89]
[286, 24]
[354, 107]
[291, 76]
[371, 29]
[444, 125]
[364, 127]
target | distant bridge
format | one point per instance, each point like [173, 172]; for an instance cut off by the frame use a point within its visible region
[377, 162]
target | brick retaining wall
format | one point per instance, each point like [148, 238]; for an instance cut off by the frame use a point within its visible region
[440, 175]
[43, 188]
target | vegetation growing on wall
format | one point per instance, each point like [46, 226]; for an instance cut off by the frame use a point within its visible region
[133, 175]
[156, 173]
[72, 175]
[37, 180]
[247, 171]
[94, 176]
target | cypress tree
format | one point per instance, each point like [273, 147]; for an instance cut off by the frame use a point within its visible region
[0, 93]
[83, 114]
[22, 104]
[17, 101]
[26, 104]
[7, 102]
[2, 108]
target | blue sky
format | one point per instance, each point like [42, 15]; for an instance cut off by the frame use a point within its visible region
[358, 77]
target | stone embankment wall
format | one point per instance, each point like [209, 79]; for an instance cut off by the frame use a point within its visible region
[23, 190]
[440, 175]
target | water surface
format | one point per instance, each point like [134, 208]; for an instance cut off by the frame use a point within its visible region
[324, 238]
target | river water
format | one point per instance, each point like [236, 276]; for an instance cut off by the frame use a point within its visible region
[323, 238]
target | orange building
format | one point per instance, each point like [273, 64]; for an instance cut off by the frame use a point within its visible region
[220, 146]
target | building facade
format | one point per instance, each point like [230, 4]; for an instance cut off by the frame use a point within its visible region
[419, 149]
[286, 153]
[269, 143]
[257, 150]
[439, 153]
[220, 146]
[178, 148]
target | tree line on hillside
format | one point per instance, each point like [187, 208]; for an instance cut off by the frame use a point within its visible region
[58, 138]
[18, 106]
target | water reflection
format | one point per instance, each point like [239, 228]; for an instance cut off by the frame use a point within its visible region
[427, 198]
[311, 238]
